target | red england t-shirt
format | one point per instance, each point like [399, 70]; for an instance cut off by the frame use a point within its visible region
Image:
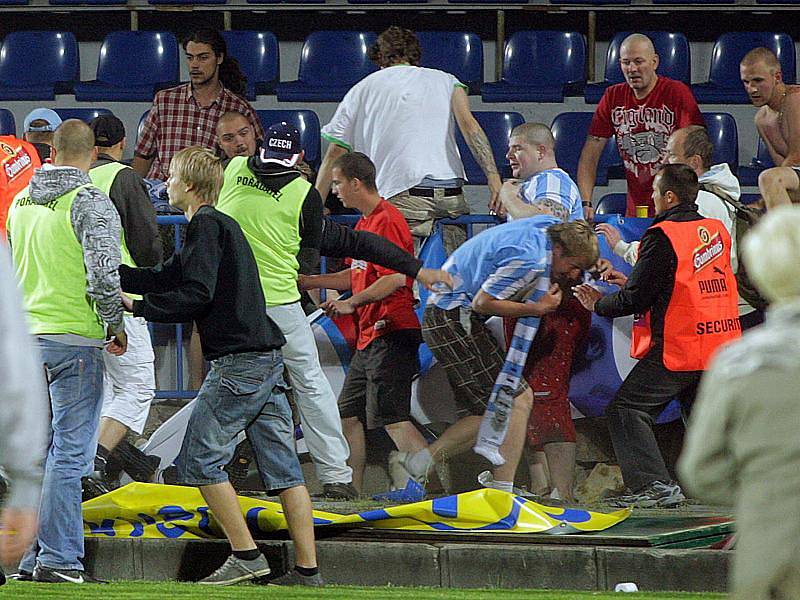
[396, 311]
[642, 128]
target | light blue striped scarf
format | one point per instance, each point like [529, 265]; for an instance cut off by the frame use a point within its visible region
[494, 426]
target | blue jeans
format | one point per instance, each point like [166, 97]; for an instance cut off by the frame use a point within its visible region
[242, 392]
[75, 378]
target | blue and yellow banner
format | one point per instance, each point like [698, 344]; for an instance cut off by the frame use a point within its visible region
[166, 511]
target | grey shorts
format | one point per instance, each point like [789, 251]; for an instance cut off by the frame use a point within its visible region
[242, 392]
[421, 211]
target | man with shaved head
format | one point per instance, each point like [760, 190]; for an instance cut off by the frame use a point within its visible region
[641, 113]
[235, 135]
[777, 122]
[65, 240]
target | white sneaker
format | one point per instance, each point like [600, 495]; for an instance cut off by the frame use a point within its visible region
[399, 471]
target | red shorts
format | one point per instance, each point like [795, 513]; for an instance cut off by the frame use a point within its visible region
[548, 370]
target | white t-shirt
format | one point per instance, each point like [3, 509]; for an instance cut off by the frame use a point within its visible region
[401, 118]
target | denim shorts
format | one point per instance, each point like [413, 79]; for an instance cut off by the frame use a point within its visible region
[242, 392]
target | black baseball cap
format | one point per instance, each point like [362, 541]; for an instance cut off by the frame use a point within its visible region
[108, 130]
[281, 145]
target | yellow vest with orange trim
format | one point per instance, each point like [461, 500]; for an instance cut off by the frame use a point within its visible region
[703, 310]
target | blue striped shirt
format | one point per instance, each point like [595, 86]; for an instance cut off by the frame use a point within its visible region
[504, 261]
[556, 191]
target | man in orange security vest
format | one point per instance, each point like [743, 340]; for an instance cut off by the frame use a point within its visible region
[684, 295]
[18, 160]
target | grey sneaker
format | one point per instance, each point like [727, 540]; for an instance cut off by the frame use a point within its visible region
[655, 495]
[235, 570]
[295, 578]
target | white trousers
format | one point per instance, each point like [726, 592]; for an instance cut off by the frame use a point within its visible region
[316, 402]
[129, 380]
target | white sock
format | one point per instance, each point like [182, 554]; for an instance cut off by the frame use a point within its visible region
[418, 462]
[503, 486]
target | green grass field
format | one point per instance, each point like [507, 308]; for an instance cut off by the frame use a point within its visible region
[175, 591]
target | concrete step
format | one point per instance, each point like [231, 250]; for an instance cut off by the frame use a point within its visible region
[457, 565]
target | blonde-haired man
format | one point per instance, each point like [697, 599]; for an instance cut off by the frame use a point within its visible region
[214, 281]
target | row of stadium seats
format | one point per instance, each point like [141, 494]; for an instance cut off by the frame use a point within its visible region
[569, 129]
[538, 66]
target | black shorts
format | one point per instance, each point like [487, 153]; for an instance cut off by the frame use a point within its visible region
[377, 388]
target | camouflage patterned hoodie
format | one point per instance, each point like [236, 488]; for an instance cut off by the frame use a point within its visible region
[97, 227]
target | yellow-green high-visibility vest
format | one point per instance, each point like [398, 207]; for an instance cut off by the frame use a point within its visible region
[270, 221]
[49, 265]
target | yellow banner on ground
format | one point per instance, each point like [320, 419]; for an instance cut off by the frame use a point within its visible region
[167, 511]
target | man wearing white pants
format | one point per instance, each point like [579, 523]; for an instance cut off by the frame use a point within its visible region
[279, 211]
[128, 380]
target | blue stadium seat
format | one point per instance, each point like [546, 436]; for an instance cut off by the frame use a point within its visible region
[723, 85]
[307, 124]
[748, 174]
[456, 52]
[724, 137]
[7, 124]
[593, 2]
[179, 2]
[141, 122]
[331, 62]
[37, 65]
[540, 66]
[258, 56]
[386, 1]
[694, 2]
[497, 126]
[284, 1]
[612, 204]
[133, 66]
[749, 198]
[13, 2]
[93, 2]
[570, 130]
[674, 61]
[84, 114]
[488, 1]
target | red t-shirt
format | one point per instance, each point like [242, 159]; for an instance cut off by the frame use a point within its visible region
[18, 159]
[396, 311]
[642, 128]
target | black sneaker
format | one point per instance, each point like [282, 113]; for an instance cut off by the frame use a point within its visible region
[338, 491]
[44, 574]
[21, 575]
[654, 495]
[294, 577]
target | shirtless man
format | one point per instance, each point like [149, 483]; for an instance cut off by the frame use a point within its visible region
[778, 124]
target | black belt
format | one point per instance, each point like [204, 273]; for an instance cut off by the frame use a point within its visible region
[429, 192]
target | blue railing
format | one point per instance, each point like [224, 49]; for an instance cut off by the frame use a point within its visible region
[176, 221]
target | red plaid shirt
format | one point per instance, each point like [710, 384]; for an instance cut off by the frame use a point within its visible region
[176, 122]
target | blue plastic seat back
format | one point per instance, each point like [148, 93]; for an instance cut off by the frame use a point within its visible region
[40, 57]
[724, 137]
[536, 58]
[674, 58]
[336, 58]
[609, 204]
[455, 52]
[762, 158]
[84, 114]
[730, 48]
[593, 2]
[138, 58]
[257, 53]
[570, 130]
[141, 123]
[498, 126]
[748, 174]
[307, 123]
[7, 124]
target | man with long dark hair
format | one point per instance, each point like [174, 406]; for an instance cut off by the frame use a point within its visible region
[187, 115]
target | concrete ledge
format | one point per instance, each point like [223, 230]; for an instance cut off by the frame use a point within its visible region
[651, 569]
[519, 566]
[456, 565]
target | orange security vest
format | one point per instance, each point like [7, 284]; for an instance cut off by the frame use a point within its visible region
[18, 159]
[703, 310]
